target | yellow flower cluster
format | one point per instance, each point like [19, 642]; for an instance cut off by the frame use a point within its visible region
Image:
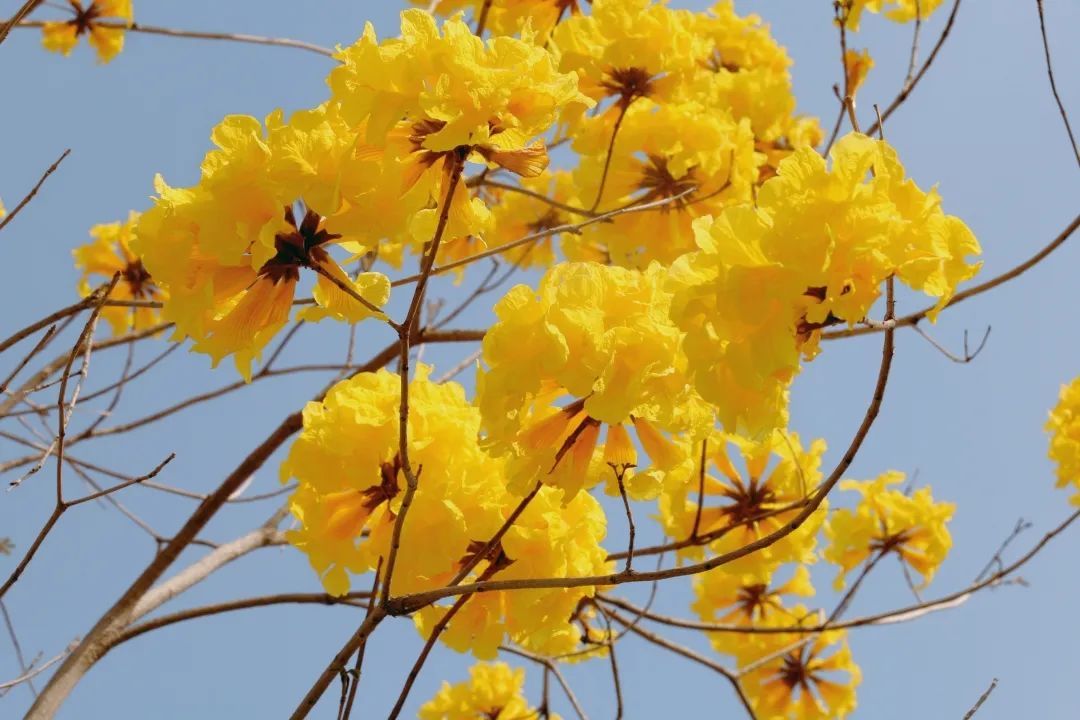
[428, 101]
[110, 253]
[229, 250]
[493, 691]
[350, 486]
[1064, 428]
[592, 347]
[106, 39]
[698, 109]
[889, 521]
[814, 251]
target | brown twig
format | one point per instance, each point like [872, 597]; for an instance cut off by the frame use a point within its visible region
[909, 87]
[624, 105]
[358, 665]
[982, 699]
[1053, 83]
[27, 7]
[548, 232]
[689, 654]
[233, 605]
[203, 35]
[964, 359]
[34, 191]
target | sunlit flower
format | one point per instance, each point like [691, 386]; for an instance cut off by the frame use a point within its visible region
[509, 17]
[230, 250]
[857, 66]
[815, 251]
[591, 348]
[760, 487]
[494, 691]
[551, 538]
[889, 521]
[106, 39]
[110, 253]
[432, 100]
[814, 681]
[1064, 428]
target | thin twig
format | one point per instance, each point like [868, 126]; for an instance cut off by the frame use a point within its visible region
[358, 665]
[967, 357]
[203, 35]
[908, 88]
[1053, 84]
[24, 668]
[44, 177]
[982, 698]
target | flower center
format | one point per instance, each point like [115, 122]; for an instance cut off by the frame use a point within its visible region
[629, 83]
[658, 182]
[138, 279]
[748, 501]
[300, 247]
[84, 18]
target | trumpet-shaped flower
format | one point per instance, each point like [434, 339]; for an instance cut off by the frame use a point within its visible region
[230, 250]
[106, 39]
[110, 253]
[552, 538]
[746, 599]
[814, 252]
[857, 66]
[889, 521]
[494, 691]
[743, 505]
[814, 681]
[1064, 428]
[591, 347]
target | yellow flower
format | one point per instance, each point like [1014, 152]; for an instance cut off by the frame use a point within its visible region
[690, 151]
[815, 251]
[1064, 428]
[432, 100]
[747, 504]
[229, 251]
[628, 49]
[745, 599]
[889, 521]
[857, 66]
[494, 691]
[110, 253]
[900, 11]
[3, 210]
[806, 683]
[348, 468]
[745, 71]
[592, 346]
[551, 538]
[107, 40]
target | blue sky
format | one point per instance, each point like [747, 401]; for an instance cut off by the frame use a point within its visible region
[982, 126]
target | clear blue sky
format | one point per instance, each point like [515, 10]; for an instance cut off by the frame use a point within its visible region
[982, 125]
